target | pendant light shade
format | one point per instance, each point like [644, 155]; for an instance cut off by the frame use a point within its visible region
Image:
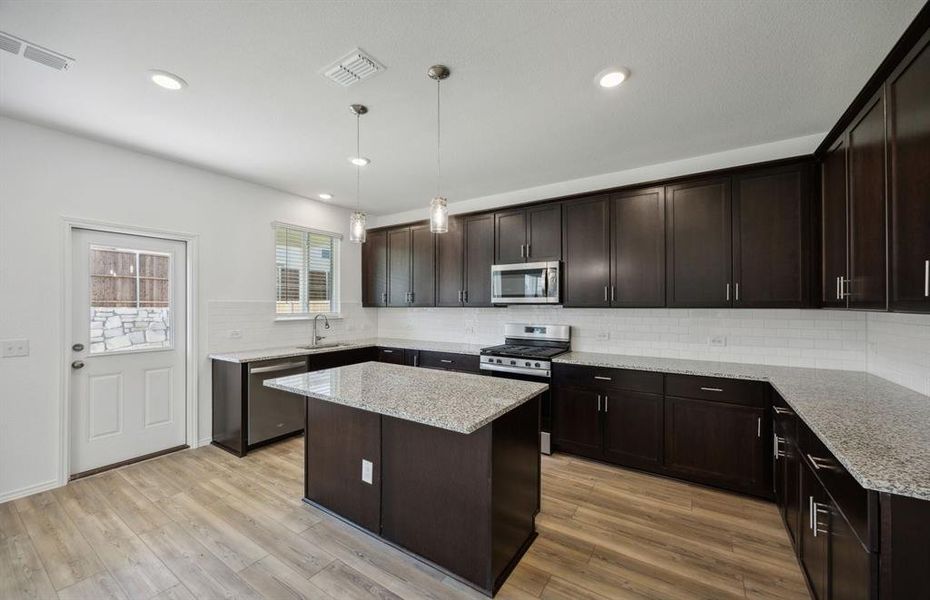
[438, 207]
[358, 227]
[438, 215]
[358, 221]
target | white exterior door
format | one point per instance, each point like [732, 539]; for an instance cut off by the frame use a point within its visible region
[128, 375]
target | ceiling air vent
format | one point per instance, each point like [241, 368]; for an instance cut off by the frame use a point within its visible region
[352, 68]
[34, 52]
[9, 44]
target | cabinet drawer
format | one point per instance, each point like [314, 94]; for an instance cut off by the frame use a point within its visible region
[718, 389]
[449, 360]
[621, 379]
[851, 498]
[391, 355]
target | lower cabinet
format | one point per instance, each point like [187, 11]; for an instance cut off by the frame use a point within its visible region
[633, 423]
[397, 356]
[577, 421]
[716, 442]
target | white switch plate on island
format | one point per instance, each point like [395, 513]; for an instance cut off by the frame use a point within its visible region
[366, 471]
[13, 348]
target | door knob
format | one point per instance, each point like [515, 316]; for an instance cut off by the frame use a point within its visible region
[78, 364]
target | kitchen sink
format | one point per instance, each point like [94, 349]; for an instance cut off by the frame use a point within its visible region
[324, 346]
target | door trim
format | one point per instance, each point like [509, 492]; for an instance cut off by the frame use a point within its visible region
[69, 224]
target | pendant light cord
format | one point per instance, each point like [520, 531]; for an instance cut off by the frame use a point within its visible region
[438, 138]
[358, 169]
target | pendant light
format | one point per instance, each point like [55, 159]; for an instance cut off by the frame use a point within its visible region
[438, 207]
[359, 220]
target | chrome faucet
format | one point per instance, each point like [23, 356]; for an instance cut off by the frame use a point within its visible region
[317, 337]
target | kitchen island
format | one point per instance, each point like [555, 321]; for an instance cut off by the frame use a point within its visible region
[444, 466]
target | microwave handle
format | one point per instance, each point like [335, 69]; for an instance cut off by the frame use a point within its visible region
[552, 282]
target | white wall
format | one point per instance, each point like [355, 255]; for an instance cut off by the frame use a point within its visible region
[46, 175]
[899, 349]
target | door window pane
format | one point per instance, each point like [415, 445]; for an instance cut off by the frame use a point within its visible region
[130, 300]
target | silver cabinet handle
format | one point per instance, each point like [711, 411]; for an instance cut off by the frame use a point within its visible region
[598, 403]
[776, 454]
[927, 278]
[387, 351]
[528, 246]
[758, 427]
[710, 389]
[605, 403]
[602, 378]
[522, 251]
[781, 411]
[284, 367]
[613, 293]
[838, 288]
[416, 359]
[843, 292]
[443, 360]
[810, 513]
[737, 292]
[728, 292]
[819, 463]
[817, 509]
[465, 297]
[605, 293]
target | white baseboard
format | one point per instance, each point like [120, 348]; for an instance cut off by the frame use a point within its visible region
[29, 490]
[203, 442]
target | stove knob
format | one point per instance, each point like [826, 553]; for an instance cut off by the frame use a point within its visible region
[499, 361]
[513, 362]
[527, 363]
[537, 365]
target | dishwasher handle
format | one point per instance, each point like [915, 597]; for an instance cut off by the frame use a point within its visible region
[274, 368]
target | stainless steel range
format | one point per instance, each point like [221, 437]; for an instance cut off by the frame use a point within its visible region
[527, 354]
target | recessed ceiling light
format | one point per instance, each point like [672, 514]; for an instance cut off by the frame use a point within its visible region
[325, 196]
[611, 78]
[167, 80]
[359, 161]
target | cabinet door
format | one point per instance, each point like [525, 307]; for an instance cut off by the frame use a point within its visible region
[814, 548]
[374, 269]
[510, 236]
[576, 421]
[715, 442]
[867, 283]
[771, 213]
[909, 172]
[423, 266]
[398, 251]
[833, 225]
[586, 252]
[544, 233]
[633, 428]
[698, 244]
[479, 256]
[450, 264]
[638, 257]
[851, 566]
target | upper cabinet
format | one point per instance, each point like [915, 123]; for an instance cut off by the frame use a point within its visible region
[771, 223]
[699, 268]
[398, 267]
[478, 232]
[638, 248]
[586, 249]
[450, 265]
[866, 214]
[909, 180]
[528, 234]
[833, 178]
[374, 269]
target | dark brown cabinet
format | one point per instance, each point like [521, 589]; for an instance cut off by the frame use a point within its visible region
[698, 244]
[715, 442]
[633, 423]
[450, 265]
[576, 418]
[909, 180]
[528, 234]
[771, 221]
[866, 214]
[814, 547]
[399, 258]
[586, 250]
[411, 266]
[479, 257]
[833, 179]
[395, 356]
[375, 269]
[785, 465]
[638, 248]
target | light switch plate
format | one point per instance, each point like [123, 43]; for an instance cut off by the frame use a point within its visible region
[603, 336]
[366, 471]
[235, 333]
[13, 348]
[717, 340]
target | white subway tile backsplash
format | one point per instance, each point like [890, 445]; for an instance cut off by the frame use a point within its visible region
[899, 349]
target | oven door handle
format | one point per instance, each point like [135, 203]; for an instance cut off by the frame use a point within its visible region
[517, 370]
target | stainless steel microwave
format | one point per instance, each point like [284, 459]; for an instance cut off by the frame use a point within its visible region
[525, 283]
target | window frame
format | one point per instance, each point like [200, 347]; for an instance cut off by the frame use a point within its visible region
[335, 311]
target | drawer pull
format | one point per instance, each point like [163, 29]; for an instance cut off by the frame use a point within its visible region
[281, 367]
[600, 378]
[819, 508]
[388, 351]
[819, 463]
[710, 389]
[782, 411]
[443, 360]
[758, 427]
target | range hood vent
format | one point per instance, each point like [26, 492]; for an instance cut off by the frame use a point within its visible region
[56, 60]
[352, 68]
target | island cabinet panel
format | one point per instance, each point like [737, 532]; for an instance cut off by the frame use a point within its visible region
[633, 428]
[833, 226]
[450, 265]
[586, 251]
[399, 260]
[338, 439]
[867, 281]
[375, 269]
[479, 257]
[638, 248]
[771, 221]
[341, 358]
[716, 442]
[909, 180]
[698, 244]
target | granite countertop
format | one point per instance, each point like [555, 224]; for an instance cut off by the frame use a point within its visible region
[459, 402]
[878, 430]
[247, 356]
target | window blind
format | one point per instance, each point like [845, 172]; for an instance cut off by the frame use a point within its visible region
[305, 263]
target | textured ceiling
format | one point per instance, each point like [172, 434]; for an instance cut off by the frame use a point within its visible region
[520, 110]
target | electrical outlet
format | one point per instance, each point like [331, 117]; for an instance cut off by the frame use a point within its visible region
[469, 330]
[13, 348]
[603, 336]
[235, 334]
[717, 340]
[367, 468]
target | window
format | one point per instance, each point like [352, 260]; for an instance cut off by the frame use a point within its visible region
[306, 270]
[130, 300]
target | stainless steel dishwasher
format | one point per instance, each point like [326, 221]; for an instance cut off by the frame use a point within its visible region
[274, 413]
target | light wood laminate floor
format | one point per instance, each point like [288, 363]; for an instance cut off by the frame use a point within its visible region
[204, 524]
